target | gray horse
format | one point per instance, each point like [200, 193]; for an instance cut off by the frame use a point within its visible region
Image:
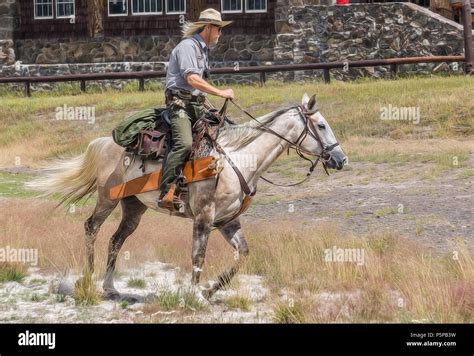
[210, 203]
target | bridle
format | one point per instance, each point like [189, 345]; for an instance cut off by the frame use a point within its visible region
[309, 129]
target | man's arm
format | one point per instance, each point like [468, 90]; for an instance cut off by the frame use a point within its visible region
[197, 82]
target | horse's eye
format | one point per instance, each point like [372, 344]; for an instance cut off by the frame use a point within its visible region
[321, 126]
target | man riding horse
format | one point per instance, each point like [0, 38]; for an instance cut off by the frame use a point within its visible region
[186, 89]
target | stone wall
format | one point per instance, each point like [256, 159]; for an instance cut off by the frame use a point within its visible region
[7, 53]
[18, 70]
[366, 31]
[7, 23]
[7, 26]
[139, 48]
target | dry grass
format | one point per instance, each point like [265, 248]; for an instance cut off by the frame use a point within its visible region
[136, 283]
[181, 300]
[238, 302]
[438, 151]
[85, 291]
[59, 237]
[283, 313]
[12, 272]
[400, 281]
[29, 130]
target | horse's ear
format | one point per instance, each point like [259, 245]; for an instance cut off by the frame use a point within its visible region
[312, 103]
[305, 101]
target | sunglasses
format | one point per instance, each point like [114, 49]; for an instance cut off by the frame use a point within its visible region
[219, 28]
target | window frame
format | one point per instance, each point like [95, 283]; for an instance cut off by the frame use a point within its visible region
[117, 15]
[174, 12]
[256, 11]
[73, 9]
[35, 17]
[232, 11]
[146, 13]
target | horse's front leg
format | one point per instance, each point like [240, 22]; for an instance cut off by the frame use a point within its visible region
[233, 234]
[201, 231]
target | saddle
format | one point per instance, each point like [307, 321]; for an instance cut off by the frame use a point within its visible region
[153, 142]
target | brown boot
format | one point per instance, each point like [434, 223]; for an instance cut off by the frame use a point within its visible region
[170, 201]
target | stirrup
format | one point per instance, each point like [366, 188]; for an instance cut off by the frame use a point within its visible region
[170, 201]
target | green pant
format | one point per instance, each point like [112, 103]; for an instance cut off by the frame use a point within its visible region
[183, 115]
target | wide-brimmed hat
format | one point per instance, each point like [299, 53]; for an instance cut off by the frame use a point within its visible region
[211, 17]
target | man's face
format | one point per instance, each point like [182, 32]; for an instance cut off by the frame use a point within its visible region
[215, 33]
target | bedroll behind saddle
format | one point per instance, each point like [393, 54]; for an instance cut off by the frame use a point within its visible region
[145, 133]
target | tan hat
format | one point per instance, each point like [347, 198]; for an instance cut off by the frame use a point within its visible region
[213, 17]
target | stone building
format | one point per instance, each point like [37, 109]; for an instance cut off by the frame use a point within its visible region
[44, 37]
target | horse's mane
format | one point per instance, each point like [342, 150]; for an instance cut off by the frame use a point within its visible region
[238, 136]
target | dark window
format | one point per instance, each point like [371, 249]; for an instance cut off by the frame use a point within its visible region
[64, 8]
[43, 9]
[147, 7]
[256, 5]
[176, 6]
[231, 6]
[118, 7]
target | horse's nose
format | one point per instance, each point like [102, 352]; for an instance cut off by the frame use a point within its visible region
[345, 161]
[341, 163]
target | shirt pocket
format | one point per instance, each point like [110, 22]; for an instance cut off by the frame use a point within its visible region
[201, 61]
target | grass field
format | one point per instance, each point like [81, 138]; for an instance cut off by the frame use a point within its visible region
[401, 280]
[352, 109]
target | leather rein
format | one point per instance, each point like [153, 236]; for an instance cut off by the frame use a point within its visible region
[309, 128]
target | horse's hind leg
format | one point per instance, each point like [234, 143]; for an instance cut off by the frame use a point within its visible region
[132, 211]
[92, 225]
[233, 234]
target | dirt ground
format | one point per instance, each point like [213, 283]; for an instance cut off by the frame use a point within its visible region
[431, 211]
[36, 300]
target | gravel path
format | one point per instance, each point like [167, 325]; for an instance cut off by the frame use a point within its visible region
[432, 211]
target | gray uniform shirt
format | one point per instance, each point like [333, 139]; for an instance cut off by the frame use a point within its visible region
[187, 57]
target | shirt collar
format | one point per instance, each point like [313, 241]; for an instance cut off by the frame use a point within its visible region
[201, 41]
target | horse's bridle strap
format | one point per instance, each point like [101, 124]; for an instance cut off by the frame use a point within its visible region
[308, 128]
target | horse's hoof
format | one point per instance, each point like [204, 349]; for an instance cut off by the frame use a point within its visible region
[131, 299]
[209, 289]
[111, 294]
[62, 287]
[200, 295]
[202, 298]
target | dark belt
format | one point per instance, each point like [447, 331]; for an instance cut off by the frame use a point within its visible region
[183, 95]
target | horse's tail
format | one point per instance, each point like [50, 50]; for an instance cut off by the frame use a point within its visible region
[71, 179]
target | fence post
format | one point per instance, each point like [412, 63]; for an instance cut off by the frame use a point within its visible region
[27, 88]
[263, 78]
[327, 78]
[141, 84]
[468, 50]
[83, 86]
[393, 70]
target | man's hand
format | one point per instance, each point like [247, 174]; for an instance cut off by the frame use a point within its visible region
[227, 93]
